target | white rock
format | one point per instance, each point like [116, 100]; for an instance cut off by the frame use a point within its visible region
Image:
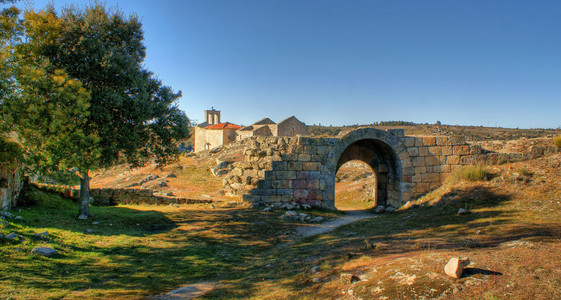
[291, 214]
[267, 209]
[462, 211]
[95, 223]
[390, 209]
[44, 251]
[306, 206]
[90, 230]
[455, 266]
[19, 218]
[288, 206]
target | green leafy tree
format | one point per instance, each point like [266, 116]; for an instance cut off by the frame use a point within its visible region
[87, 101]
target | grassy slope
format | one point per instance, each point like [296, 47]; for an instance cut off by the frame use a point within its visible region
[192, 180]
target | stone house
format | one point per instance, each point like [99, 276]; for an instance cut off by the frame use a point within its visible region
[212, 133]
[215, 135]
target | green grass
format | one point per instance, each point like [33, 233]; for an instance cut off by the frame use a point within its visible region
[469, 173]
[557, 141]
[134, 251]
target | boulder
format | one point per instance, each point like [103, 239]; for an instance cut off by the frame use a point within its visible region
[462, 211]
[390, 209]
[455, 266]
[316, 219]
[43, 234]
[291, 214]
[44, 251]
[11, 236]
[380, 209]
[18, 218]
[6, 214]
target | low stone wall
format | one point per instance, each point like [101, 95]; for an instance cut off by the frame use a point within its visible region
[104, 197]
[11, 185]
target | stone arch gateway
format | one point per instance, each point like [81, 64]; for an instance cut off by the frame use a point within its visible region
[382, 151]
[302, 169]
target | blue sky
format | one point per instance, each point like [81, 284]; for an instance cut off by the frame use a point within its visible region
[478, 62]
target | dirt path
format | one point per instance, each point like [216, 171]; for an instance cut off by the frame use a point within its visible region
[193, 291]
[350, 216]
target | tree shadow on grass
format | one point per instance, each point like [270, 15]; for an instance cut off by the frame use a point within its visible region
[133, 258]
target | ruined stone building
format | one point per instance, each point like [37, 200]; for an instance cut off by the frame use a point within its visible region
[212, 133]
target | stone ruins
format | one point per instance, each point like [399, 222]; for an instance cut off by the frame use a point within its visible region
[212, 133]
[278, 170]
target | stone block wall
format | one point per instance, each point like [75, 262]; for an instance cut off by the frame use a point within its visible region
[108, 196]
[296, 173]
[280, 170]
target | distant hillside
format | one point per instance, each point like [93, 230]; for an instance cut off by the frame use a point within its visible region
[472, 133]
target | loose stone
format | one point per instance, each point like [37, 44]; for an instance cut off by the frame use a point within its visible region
[455, 266]
[44, 251]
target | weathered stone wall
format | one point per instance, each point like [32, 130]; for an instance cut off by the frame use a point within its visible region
[200, 139]
[285, 169]
[291, 127]
[10, 185]
[302, 170]
[107, 196]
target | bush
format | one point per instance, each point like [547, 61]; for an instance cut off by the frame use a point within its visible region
[524, 172]
[470, 173]
[557, 141]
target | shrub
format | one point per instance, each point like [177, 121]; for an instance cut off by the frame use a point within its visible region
[524, 172]
[557, 141]
[470, 173]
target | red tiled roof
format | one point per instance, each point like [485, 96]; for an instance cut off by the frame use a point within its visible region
[226, 125]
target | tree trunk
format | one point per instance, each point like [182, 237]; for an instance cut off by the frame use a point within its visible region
[84, 199]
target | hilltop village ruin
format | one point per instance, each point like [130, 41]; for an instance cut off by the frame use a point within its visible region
[212, 133]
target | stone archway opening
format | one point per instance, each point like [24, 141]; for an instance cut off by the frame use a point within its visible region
[383, 161]
[355, 186]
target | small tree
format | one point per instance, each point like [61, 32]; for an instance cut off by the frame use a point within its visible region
[86, 100]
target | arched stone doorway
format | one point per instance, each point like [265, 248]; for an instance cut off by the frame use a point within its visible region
[379, 149]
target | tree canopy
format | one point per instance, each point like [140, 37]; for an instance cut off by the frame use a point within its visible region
[82, 98]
